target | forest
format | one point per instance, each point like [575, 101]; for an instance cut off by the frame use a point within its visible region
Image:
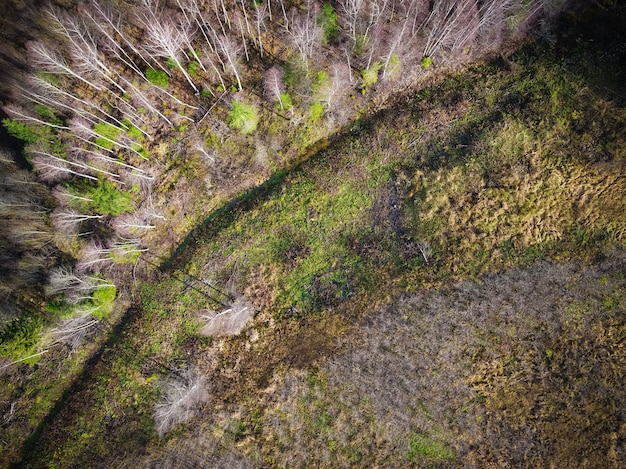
[295, 233]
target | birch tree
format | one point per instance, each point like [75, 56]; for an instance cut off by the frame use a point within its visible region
[166, 39]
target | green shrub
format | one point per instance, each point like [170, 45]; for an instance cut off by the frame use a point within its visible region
[193, 68]
[22, 131]
[316, 111]
[294, 73]
[108, 200]
[426, 62]
[48, 114]
[393, 68]
[370, 76]
[157, 77]
[19, 338]
[103, 297]
[328, 21]
[284, 101]
[321, 81]
[243, 117]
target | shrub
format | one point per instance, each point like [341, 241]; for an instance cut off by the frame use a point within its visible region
[294, 73]
[284, 101]
[370, 76]
[243, 117]
[157, 77]
[316, 111]
[108, 200]
[426, 62]
[19, 338]
[328, 21]
[103, 298]
[20, 130]
[193, 68]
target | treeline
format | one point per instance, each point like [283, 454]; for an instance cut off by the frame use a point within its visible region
[111, 85]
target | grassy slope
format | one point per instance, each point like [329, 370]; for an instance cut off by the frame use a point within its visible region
[500, 166]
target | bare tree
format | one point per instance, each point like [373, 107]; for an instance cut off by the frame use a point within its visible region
[273, 85]
[94, 254]
[451, 25]
[67, 220]
[230, 50]
[230, 321]
[76, 286]
[166, 39]
[51, 168]
[73, 332]
[130, 224]
[425, 250]
[41, 57]
[22, 115]
[192, 11]
[304, 32]
[183, 394]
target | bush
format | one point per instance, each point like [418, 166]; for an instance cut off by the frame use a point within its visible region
[108, 200]
[20, 130]
[157, 77]
[370, 76]
[284, 101]
[328, 21]
[316, 111]
[243, 117]
[19, 338]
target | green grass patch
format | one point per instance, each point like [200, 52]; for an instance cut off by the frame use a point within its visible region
[423, 447]
[108, 133]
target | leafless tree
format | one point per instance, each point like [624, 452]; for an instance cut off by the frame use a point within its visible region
[192, 11]
[166, 39]
[42, 58]
[76, 286]
[67, 220]
[129, 224]
[230, 321]
[73, 331]
[51, 168]
[360, 16]
[22, 115]
[183, 394]
[304, 32]
[230, 50]
[273, 84]
[425, 250]
[93, 255]
[451, 25]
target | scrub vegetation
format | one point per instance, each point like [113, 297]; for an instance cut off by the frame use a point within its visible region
[284, 257]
